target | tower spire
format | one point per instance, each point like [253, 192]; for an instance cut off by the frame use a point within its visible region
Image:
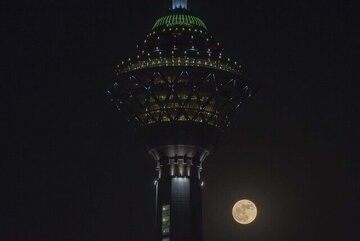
[179, 4]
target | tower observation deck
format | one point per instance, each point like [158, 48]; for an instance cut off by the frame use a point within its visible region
[179, 91]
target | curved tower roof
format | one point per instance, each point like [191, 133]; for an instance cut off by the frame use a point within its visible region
[179, 19]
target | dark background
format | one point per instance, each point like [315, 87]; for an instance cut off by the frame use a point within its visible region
[72, 170]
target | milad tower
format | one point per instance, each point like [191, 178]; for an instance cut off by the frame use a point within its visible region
[179, 91]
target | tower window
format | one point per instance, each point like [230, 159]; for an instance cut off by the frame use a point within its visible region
[165, 222]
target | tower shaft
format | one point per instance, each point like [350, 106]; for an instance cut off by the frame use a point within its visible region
[178, 193]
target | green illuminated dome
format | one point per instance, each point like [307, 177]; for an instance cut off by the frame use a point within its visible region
[179, 18]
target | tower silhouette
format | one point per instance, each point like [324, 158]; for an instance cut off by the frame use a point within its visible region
[179, 91]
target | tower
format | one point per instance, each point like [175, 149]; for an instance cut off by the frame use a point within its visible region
[179, 91]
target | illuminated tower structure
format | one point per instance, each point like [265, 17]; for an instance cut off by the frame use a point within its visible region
[179, 91]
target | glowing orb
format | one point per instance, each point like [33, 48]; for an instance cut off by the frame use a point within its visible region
[244, 211]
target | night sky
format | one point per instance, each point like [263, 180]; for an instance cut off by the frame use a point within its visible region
[72, 170]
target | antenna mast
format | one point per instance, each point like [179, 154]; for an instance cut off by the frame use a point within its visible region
[179, 4]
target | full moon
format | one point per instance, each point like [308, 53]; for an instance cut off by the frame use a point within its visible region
[244, 211]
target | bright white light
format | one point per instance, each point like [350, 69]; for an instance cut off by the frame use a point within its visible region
[179, 4]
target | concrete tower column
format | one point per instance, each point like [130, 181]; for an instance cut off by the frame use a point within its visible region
[179, 194]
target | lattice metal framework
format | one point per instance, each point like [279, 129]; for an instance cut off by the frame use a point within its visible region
[179, 94]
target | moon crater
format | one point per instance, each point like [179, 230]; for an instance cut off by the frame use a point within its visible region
[244, 211]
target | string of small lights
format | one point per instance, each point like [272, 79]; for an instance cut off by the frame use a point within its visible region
[176, 61]
[188, 47]
[150, 89]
